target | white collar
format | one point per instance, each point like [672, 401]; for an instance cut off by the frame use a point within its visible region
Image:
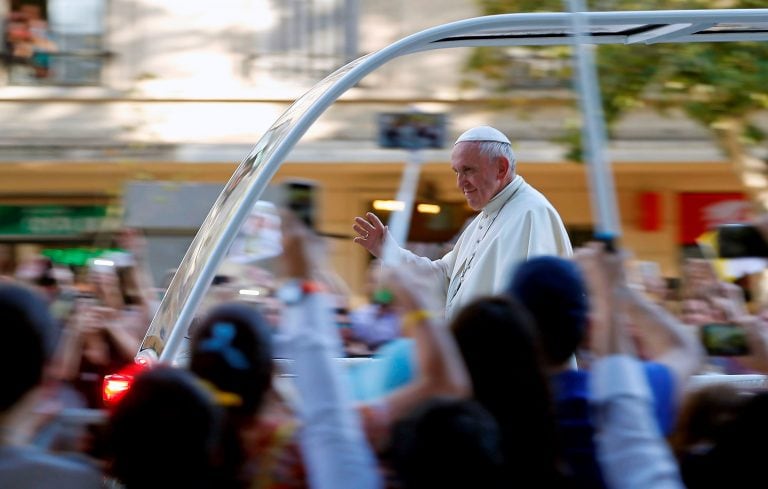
[503, 196]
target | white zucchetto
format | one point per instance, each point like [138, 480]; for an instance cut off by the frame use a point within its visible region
[483, 133]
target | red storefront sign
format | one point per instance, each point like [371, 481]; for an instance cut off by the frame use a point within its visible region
[701, 212]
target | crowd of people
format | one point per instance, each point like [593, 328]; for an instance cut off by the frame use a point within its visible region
[572, 376]
[565, 370]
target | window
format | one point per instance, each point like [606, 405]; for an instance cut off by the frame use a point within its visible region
[305, 38]
[54, 42]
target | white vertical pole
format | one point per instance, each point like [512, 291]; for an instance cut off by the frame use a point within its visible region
[602, 191]
[400, 221]
[351, 15]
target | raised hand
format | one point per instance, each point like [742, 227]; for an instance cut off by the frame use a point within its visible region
[608, 296]
[371, 233]
[298, 241]
[756, 330]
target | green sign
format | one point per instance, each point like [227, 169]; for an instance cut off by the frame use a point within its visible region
[51, 220]
[76, 256]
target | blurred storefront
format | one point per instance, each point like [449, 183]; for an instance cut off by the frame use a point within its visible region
[99, 96]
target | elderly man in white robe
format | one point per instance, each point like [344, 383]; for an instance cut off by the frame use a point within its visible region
[515, 222]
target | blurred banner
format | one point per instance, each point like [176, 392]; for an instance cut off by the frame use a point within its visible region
[702, 212]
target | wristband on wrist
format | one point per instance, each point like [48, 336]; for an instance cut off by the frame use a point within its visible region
[413, 318]
[311, 287]
[293, 291]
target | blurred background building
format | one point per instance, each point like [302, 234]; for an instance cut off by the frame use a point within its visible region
[99, 98]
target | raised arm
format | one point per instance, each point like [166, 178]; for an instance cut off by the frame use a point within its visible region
[676, 345]
[631, 450]
[133, 241]
[374, 236]
[332, 440]
[440, 368]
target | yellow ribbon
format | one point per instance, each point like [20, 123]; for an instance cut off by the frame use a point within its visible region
[222, 398]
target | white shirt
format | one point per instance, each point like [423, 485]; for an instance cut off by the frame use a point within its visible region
[630, 447]
[332, 441]
[516, 224]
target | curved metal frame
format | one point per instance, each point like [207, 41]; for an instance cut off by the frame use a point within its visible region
[254, 173]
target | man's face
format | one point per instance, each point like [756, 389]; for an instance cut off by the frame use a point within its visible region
[477, 176]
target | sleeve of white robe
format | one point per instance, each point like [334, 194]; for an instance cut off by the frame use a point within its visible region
[334, 447]
[438, 272]
[630, 448]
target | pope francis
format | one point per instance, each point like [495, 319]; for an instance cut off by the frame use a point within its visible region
[515, 222]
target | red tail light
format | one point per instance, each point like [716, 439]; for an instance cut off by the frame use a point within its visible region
[114, 386]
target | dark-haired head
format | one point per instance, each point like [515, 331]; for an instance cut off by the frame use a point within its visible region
[447, 443]
[28, 328]
[232, 355]
[736, 459]
[555, 293]
[232, 350]
[499, 345]
[163, 432]
[498, 341]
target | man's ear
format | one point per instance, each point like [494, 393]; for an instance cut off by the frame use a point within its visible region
[502, 164]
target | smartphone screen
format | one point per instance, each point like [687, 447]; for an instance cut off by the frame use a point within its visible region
[724, 339]
[740, 241]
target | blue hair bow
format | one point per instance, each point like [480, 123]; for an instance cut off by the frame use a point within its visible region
[221, 342]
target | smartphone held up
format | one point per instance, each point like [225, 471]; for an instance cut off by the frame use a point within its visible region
[741, 241]
[724, 340]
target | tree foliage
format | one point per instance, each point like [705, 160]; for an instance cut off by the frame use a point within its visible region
[710, 82]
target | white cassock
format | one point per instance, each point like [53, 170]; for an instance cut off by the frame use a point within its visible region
[518, 223]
